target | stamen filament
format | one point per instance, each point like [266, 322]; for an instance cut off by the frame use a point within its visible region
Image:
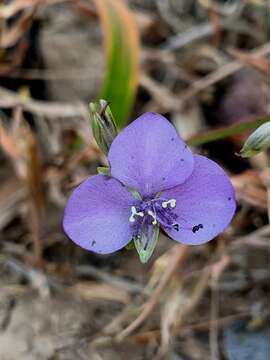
[134, 213]
[150, 212]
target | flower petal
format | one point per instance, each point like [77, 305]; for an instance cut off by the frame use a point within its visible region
[97, 213]
[149, 156]
[205, 203]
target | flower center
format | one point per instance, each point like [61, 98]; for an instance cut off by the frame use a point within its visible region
[145, 218]
[153, 212]
[157, 212]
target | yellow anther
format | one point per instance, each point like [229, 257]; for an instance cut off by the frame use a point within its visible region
[150, 212]
[171, 202]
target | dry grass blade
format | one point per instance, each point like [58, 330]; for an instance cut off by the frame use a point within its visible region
[258, 238]
[187, 330]
[183, 302]
[34, 172]
[259, 63]
[221, 73]
[169, 315]
[21, 146]
[35, 188]
[178, 256]
[128, 286]
[90, 290]
[10, 99]
[196, 33]
[194, 298]
[162, 96]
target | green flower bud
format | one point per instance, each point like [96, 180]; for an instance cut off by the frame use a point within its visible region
[258, 141]
[103, 170]
[103, 124]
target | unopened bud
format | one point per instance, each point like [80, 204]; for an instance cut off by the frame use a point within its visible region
[103, 124]
[145, 244]
[258, 141]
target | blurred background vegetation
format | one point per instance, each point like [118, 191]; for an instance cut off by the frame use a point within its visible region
[203, 64]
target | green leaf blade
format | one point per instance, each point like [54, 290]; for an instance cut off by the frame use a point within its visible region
[122, 48]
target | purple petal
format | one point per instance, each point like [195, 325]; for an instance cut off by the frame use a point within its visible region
[97, 213]
[149, 156]
[205, 203]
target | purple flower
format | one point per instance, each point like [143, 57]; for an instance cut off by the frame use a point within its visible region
[189, 196]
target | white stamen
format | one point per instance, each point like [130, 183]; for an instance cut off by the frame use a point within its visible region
[171, 202]
[135, 213]
[150, 212]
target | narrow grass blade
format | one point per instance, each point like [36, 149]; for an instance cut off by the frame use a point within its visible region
[223, 133]
[122, 49]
